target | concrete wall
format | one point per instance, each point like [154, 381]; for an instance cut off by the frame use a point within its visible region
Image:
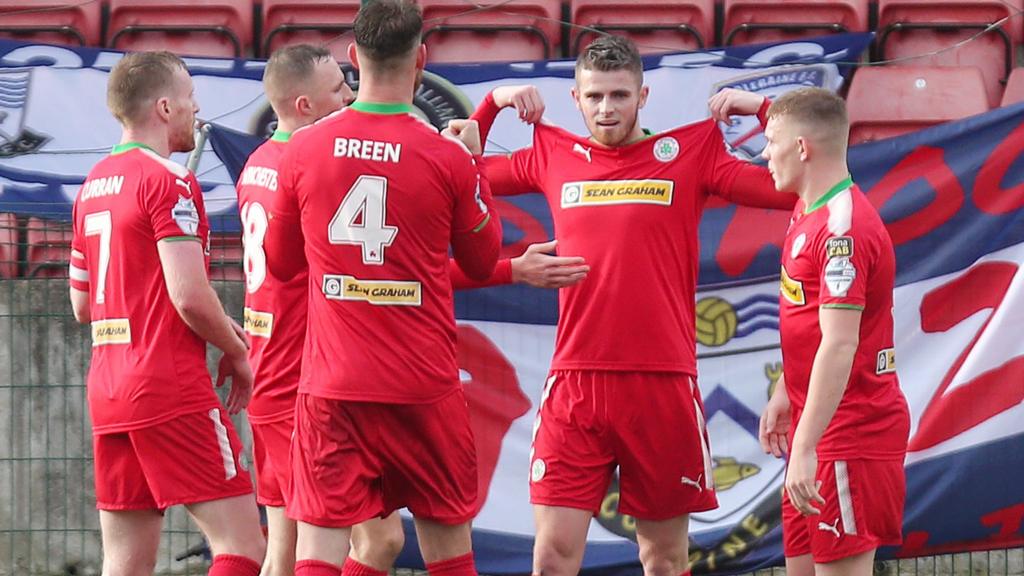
[48, 520]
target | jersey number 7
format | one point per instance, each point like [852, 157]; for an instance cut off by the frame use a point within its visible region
[360, 219]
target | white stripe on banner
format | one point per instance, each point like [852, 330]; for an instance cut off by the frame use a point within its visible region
[225, 445]
[845, 501]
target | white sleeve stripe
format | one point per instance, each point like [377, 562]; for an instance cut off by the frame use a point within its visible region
[77, 274]
[77, 254]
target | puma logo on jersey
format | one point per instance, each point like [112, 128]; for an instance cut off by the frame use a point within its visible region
[691, 482]
[585, 151]
[184, 184]
[833, 527]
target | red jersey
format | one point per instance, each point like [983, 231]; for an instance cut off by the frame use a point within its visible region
[380, 196]
[147, 365]
[838, 254]
[275, 306]
[633, 213]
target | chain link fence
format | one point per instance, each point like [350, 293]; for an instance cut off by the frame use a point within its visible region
[48, 521]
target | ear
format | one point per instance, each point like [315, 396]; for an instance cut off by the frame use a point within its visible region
[644, 92]
[353, 56]
[575, 92]
[302, 105]
[421, 57]
[803, 148]
[163, 108]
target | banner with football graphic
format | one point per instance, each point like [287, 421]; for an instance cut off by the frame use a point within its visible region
[952, 198]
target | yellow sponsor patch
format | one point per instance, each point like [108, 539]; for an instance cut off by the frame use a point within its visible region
[792, 290]
[886, 363]
[111, 331]
[258, 323]
[377, 292]
[593, 193]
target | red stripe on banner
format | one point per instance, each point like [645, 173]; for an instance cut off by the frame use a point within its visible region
[947, 415]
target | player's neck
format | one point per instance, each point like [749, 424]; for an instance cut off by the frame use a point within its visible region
[155, 142]
[288, 125]
[820, 181]
[374, 90]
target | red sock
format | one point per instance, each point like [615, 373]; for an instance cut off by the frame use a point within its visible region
[233, 565]
[353, 567]
[316, 568]
[687, 573]
[458, 566]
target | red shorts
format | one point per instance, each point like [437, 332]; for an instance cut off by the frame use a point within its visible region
[352, 461]
[650, 424]
[192, 458]
[863, 511]
[271, 446]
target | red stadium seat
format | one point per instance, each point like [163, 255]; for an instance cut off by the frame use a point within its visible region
[757, 21]
[456, 31]
[287, 22]
[888, 101]
[655, 25]
[51, 21]
[49, 248]
[8, 246]
[218, 28]
[913, 27]
[226, 257]
[1014, 88]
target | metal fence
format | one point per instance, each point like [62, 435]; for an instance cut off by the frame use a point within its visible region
[48, 523]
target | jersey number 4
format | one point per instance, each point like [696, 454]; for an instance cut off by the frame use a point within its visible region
[360, 219]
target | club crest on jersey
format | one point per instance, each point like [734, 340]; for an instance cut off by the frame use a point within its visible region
[840, 246]
[666, 149]
[792, 290]
[186, 215]
[798, 245]
[601, 192]
[839, 276]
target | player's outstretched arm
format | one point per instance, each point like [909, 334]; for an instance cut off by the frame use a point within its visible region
[830, 373]
[197, 304]
[733, 179]
[526, 99]
[536, 267]
[732, 102]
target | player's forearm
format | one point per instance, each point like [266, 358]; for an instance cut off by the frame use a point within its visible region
[80, 306]
[501, 275]
[829, 377]
[485, 114]
[202, 312]
[476, 251]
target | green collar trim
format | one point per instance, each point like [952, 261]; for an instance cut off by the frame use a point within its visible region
[122, 148]
[846, 183]
[280, 136]
[380, 108]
